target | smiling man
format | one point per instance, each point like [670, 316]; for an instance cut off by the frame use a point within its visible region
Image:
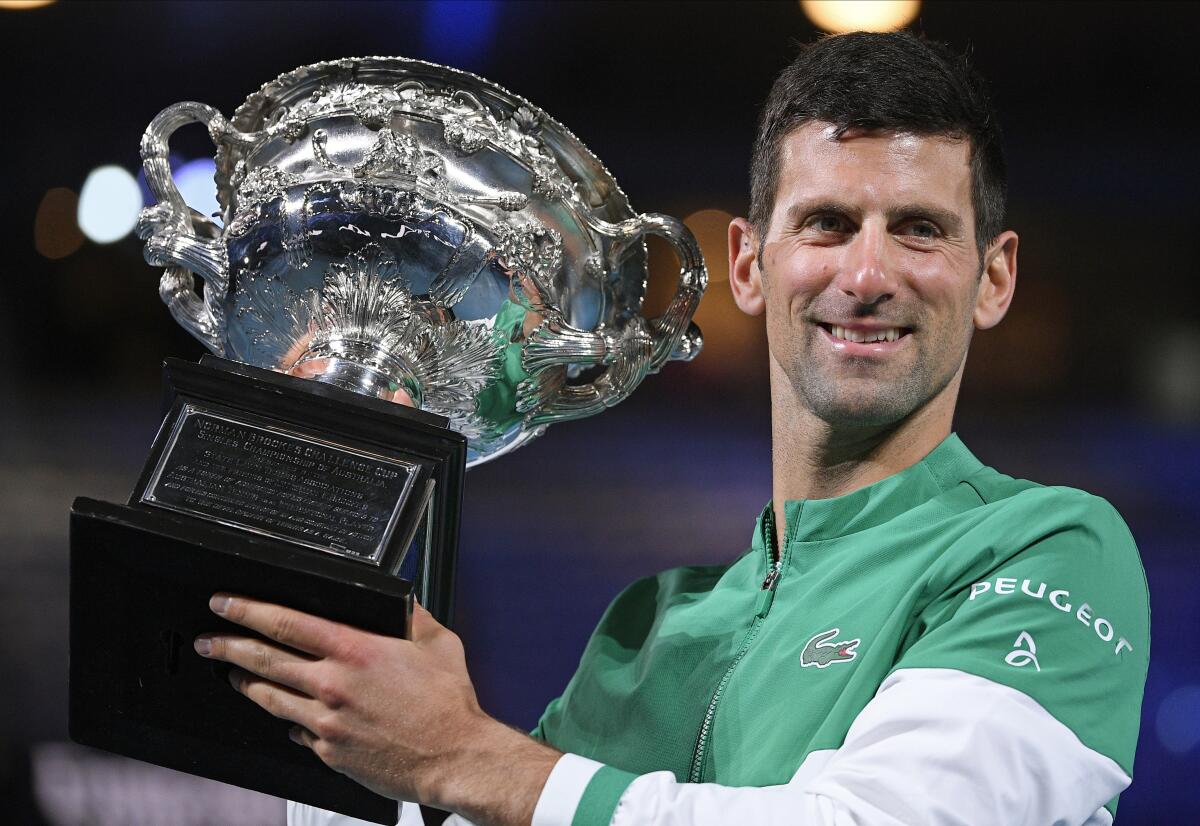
[913, 637]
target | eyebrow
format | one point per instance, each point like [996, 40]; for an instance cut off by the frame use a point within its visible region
[950, 222]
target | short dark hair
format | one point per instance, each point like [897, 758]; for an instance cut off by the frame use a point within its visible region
[894, 82]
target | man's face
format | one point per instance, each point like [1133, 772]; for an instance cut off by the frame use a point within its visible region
[869, 271]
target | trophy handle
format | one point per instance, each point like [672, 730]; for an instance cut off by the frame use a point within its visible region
[172, 230]
[640, 348]
[675, 337]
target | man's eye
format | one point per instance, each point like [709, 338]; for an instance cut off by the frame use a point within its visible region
[923, 230]
[829, 223]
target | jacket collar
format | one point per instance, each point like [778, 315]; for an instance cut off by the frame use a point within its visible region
[811, 520]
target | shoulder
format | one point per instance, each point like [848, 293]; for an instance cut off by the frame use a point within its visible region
[639, 607]
[1035, 554]
[1044, 592]
[1051, 520]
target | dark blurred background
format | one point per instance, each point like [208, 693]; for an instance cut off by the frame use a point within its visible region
[1092, 381]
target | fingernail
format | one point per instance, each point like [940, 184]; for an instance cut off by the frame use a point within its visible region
[203, 646]
[219, 603]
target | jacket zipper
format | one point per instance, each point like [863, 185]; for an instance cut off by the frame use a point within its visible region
[762, 606]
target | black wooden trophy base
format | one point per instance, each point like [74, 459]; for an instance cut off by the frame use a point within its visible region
[142, 575]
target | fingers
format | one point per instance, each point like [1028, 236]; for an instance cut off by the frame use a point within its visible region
[277, 700]
[259, 658]
[294, 629]
[302, 736]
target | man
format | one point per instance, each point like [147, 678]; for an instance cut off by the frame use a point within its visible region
[912, 638]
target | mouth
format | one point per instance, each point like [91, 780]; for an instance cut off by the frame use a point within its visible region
[863, 340]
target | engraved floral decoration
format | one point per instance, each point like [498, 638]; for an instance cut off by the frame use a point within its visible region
[392, 156]
[364, 307]
[264, 184]
[529, 248]
[468, 124]
[254, 191]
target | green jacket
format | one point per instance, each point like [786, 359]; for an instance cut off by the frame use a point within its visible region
[738, 674]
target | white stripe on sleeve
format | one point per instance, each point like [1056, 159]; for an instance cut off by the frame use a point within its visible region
[563, 790]
[934, 746]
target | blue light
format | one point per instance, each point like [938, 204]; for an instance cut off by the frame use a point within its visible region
[194, 180]
[460, 32]
[1178, 722]
[109, 203]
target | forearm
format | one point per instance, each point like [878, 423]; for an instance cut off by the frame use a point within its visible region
[493, 776]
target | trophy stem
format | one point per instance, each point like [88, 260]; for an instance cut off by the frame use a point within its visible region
[372, 375]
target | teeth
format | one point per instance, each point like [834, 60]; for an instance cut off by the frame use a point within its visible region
[890, 334]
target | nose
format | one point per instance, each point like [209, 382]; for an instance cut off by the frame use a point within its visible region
[865, 274]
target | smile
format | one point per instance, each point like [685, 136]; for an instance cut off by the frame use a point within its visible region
[856, 340]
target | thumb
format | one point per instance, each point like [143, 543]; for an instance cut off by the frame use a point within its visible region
[431, 635]
[423, 623]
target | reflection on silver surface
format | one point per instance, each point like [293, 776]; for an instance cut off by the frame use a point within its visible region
[414, 232]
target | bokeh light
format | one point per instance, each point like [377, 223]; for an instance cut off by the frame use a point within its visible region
[109, 204]
[839, 16]
[734, 343]
[22, 5]
[55, 233]
[1178, 722]
[195, 183]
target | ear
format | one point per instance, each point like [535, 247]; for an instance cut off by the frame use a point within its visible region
[998, 283]
[745, 279]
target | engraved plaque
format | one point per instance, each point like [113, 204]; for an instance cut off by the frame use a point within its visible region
[286, 490]
[280, 483]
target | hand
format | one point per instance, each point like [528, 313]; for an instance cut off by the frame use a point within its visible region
[398, 716]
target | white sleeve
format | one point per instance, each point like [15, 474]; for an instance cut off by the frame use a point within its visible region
[301, 814]
[934, 746]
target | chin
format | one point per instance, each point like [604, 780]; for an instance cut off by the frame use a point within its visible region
[862, 417]
[870, 407]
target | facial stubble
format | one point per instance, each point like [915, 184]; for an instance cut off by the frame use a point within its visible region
[866, 393]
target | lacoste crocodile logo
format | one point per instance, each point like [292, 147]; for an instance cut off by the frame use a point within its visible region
[819, 651]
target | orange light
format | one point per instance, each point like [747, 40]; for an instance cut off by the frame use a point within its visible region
[711, 228]
[734, 343]
[55, 232]
[22, 5]
[838, 16]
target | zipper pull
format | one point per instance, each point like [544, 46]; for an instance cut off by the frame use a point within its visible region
[766, 594]
[772, 578]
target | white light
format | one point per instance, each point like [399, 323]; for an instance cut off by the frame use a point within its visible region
[1178, 722]
[195, 183]
[109, 204]
[838, 16]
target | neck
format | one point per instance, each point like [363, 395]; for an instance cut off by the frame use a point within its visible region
[815, 459]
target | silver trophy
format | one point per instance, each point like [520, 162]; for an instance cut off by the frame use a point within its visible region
[417, 233]
[396, 231]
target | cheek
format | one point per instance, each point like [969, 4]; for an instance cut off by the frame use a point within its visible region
[794, 276]
[946, 289]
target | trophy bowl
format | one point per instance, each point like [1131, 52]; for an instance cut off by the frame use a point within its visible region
[418, 234]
